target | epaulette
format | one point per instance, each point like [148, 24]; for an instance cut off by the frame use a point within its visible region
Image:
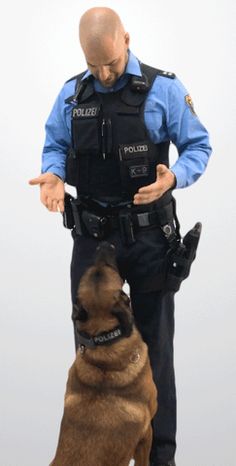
[77, 76]
[79, 87]
[166, 74]
[149, 70]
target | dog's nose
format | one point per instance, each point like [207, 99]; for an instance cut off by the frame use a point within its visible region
[106, 254]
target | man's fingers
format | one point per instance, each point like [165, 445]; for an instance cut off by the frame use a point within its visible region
[60, 205]
[165, 180]
[49, 203]
[51, 191]
[43, 197]
[44, 178]
[161, 169]
[156, 186]
[35, 181]
[54, 205]
[141, 199]
[57, 206]
[147, 189]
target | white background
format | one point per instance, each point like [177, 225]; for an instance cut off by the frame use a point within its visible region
[40, 50]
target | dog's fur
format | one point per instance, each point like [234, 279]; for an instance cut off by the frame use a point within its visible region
[110, 396]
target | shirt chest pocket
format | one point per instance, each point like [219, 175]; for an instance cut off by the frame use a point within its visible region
[155, 122]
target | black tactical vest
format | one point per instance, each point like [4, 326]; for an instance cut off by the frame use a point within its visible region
[112, 155]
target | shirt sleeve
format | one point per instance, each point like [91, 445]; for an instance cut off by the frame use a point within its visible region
[188, 134]
[58, 139]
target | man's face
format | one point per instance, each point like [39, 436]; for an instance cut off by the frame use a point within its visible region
[107, 62]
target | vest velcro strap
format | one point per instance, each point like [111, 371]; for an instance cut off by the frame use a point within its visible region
[143, 219]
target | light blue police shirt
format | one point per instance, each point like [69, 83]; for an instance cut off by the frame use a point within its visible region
[168, 115]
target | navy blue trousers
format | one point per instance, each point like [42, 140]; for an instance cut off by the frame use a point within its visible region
[154, 317]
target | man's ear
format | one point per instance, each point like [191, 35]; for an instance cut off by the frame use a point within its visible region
[127, 39]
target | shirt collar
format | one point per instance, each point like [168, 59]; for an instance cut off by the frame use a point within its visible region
[132, 68]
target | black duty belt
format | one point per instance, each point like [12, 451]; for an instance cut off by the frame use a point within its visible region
[92, 220]
[99, 223]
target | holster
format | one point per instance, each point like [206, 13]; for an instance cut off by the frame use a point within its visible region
[180, 258]
[68, 217]
[126, 228]
[96, 225]
[83, 222]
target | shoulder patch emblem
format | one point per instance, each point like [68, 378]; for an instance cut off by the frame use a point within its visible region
[189, 102]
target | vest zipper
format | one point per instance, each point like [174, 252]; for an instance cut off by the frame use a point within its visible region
[104, 139]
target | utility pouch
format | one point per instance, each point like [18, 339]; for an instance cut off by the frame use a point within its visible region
[85, 128]
[126, 228]
[180, 259]
[76, 210]
[68, 218]
[95, 225]
[72, 168]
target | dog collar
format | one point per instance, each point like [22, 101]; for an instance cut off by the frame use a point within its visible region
[104, 338]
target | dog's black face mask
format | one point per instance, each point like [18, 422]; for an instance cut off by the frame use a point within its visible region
[121, 310]
[106, 255]
[96, 277]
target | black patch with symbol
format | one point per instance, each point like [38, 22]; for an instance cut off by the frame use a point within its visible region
[136, 171]
[135, 162]
[130, 151]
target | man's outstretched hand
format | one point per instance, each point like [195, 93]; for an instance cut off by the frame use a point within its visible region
[52, 191]
[165, 180]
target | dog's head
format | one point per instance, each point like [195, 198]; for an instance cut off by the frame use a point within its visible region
[101, 301]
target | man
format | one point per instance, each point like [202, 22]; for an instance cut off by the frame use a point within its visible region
[117, 119]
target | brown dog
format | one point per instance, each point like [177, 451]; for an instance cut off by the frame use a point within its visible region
[110, 396]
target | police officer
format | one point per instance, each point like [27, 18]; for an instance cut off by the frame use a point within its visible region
[116, 121]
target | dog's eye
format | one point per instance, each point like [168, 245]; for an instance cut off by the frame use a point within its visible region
[79, 313]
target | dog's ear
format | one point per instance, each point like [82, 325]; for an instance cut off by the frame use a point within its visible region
[120, 295]
[79, 313]
[123, 315]
[125, 297]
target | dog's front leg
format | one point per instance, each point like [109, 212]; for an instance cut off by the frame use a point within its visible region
[142, 452]
[68, 452]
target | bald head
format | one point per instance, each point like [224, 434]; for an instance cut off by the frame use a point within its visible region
[105, 44]
[98, 23]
